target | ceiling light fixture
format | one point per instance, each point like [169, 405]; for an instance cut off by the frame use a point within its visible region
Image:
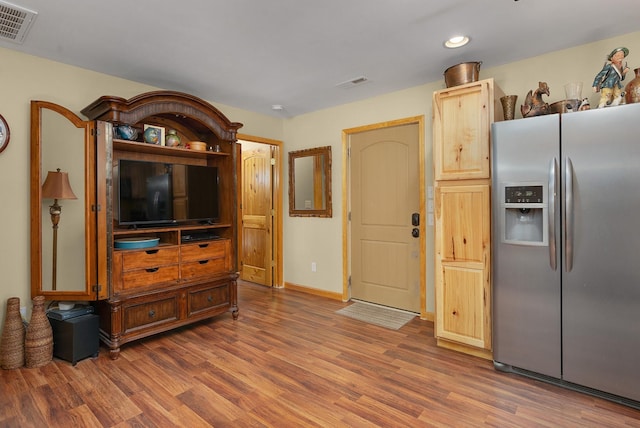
[277, 107]
[456, 42]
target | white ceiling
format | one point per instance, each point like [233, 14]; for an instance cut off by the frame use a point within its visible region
[252, 54]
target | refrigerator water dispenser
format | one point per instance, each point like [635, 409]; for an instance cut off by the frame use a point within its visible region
[524, 214]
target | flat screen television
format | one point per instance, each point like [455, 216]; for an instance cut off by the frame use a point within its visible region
[157, 193]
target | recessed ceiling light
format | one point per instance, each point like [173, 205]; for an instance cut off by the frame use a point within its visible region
[456, 42]
[277, 107]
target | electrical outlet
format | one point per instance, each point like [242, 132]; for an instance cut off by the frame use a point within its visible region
[313, 266]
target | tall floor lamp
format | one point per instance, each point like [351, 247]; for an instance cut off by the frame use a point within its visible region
[56, 186]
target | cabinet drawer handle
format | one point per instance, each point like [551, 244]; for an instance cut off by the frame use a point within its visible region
[203, 245]
[152, 251]
[152, 313]
[209, 299]
[203, 262]
[151, 270]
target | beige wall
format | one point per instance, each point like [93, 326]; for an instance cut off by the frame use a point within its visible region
[306, 240]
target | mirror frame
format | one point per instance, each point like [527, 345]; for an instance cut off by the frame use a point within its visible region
[326, 170]
[94, 200]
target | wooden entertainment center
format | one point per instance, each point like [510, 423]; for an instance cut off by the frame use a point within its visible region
[188, 272]
[180, 280]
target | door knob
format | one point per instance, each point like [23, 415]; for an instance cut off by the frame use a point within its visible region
[415, 232]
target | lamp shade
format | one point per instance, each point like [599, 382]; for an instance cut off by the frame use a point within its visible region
[56, 186]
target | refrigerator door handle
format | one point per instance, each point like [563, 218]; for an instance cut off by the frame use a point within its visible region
[568, 215]
[553, 191]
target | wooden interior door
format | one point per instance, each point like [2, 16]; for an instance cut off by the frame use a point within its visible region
[385, 194]
[256, 258]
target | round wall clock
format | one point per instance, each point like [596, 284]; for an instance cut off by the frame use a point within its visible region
[4, 134]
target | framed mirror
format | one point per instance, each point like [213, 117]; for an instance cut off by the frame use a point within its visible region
[310, 182]
[63, 225]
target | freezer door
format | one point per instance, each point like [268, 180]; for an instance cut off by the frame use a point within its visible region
[526, 276]
[601, 290]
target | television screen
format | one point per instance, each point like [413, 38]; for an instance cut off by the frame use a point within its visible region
[156, 193]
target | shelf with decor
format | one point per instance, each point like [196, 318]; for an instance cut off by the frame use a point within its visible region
[141, 147]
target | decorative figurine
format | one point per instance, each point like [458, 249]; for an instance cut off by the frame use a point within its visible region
[607, 82]
[533, 103]
[584, 105]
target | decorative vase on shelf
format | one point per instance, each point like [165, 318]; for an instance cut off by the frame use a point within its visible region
[125, 132]
[172, 139]
[509, 106]
[632, 90]
[151, 136]
[38, 341]
[12, 341]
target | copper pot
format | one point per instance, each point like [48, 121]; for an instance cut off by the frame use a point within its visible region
[460, 74]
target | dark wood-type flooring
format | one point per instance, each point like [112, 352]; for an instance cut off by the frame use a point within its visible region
[291, 361]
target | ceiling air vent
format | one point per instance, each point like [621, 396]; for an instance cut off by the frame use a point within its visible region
[15, 22]
[356, 81]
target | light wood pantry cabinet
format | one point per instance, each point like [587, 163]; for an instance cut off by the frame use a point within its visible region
[189, 271]
[462, 118]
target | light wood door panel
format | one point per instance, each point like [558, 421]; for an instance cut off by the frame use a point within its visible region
[462, 265]
[462, 217]
[257, 205]
[461, 310]
[461, 127]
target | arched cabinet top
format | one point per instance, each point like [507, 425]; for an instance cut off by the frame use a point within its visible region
[178, 107]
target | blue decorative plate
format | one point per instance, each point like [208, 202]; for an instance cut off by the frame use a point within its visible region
[136, 243]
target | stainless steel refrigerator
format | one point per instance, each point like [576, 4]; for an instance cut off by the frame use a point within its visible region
[566, 249]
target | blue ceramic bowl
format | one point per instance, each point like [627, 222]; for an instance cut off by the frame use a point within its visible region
[136, 243]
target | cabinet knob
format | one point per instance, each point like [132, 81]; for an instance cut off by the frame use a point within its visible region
[209, 299]
[152, 313]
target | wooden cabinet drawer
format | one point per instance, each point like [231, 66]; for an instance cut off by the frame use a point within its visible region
[204, 268]
[208, 298]
[149, 258]
[205, 250]
[150, 313]
[149, 276]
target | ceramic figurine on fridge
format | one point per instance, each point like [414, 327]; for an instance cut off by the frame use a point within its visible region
[607, 82]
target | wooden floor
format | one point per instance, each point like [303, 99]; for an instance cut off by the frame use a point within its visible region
[291, 361]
